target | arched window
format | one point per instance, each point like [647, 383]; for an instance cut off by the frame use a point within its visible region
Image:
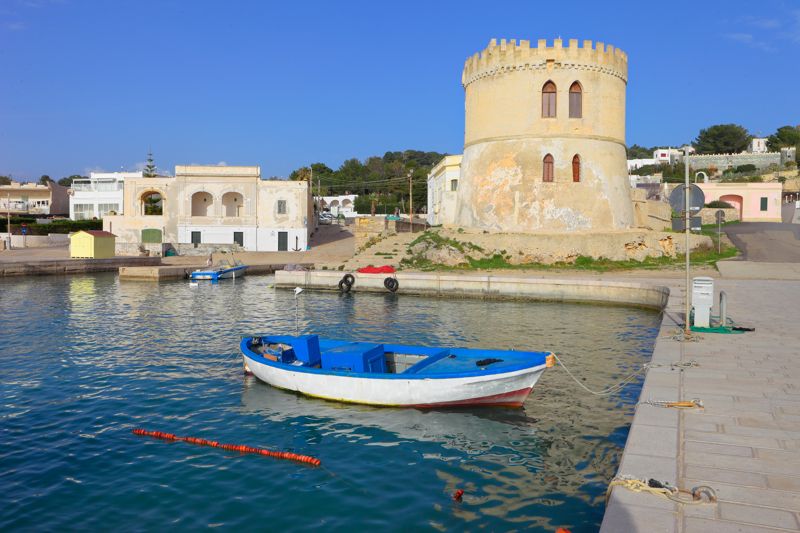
[201, 204]
[547, 172]
[576, 168]
[575, 101]
[549, 100]
[232, 204]
[152, 203]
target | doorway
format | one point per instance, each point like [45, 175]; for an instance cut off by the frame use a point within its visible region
[283, 241]
[238, 238]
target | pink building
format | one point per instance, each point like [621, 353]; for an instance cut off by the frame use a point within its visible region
[756, 202]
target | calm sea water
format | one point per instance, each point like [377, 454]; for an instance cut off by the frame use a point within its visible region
[85, 359]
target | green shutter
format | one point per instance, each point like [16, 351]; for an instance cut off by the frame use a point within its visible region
[151, 236]
[764, 203]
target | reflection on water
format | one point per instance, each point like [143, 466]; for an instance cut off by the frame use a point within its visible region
[164, 356]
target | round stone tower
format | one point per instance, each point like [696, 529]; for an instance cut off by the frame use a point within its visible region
[544, 142]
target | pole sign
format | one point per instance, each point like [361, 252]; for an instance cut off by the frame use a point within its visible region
[24, 229]
[720, 216]
[695, 224]
[677, 199]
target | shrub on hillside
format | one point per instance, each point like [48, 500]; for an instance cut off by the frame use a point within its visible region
[719, 204]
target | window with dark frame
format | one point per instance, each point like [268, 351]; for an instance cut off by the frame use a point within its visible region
[549, 100]
[576, 168]
[764, 203]
[281, 207]
[547, 171]
[576, 101]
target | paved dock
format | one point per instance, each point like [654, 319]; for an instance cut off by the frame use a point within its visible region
[745, 443]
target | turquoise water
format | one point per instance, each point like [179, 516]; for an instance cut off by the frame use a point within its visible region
[85, 359]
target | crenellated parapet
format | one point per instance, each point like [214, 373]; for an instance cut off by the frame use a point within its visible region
[511, 55]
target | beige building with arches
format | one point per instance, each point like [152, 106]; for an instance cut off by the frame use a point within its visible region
[544, 143]
[204, 208]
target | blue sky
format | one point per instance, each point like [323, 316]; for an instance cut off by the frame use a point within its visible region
[91, 85]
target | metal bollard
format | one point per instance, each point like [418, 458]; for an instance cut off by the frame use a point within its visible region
[723, 309]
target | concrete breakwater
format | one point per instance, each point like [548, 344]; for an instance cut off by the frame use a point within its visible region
[483, 286]
[171, 272]
[73, 266]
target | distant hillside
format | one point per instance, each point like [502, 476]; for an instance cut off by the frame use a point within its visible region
[383, 179]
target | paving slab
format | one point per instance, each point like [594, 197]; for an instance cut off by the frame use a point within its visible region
[745, 442]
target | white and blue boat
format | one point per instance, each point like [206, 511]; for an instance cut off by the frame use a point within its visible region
[223, 270]
[393, 374]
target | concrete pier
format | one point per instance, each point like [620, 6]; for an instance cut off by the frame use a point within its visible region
[74, 266]
[483, 286]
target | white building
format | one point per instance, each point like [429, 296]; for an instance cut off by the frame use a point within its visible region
[442, 186]
[633, 164]
[210, 208]
[343, 204]
[758, 145]
[98, 195]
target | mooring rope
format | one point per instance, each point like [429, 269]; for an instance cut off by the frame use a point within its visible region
[698, 495]
[609, 390]
[687, 404]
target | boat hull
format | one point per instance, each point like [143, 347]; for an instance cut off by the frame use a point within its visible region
[508, 389]
[216, 275]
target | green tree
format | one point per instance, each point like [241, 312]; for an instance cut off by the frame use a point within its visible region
[640, 152]
[785, 137]
[67, 181]
[5, 180]
[301, 174]
[45, 179]
[150, 167]
[722, 139]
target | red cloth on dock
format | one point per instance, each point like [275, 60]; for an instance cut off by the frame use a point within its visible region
[386, 269]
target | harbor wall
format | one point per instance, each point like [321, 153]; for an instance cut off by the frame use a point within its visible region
[72, 266]
[490, 287]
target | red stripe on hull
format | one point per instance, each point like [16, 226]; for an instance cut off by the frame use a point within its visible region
[507, 399]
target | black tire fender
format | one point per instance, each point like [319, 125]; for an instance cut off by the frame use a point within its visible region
[391, 284]
[344, 286]
[349, 279]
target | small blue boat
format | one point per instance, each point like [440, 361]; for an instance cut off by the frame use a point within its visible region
[223, 270]
[393, 374]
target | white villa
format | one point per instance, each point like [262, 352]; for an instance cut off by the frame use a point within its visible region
[98, 195]
[210, 208]
[343, 204]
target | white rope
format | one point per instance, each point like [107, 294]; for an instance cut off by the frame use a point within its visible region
[609, 390]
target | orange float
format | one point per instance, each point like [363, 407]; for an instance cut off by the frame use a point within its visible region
[307, 459]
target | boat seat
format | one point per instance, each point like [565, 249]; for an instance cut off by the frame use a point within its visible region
[415, 368]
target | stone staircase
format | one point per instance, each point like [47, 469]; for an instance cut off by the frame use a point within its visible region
[389, 250]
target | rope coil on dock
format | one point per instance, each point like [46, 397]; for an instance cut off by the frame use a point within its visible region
[687, 404]
[307, 459]
[698, 495]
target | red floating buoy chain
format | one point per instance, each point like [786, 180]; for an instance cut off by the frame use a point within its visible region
[307, 459]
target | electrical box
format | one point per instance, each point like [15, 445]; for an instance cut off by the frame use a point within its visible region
[702, 301]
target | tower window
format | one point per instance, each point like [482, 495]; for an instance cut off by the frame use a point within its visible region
[547, 172]
[575, 101]
[576, 168]
[549, 100]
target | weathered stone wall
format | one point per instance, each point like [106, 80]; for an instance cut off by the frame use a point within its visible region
[506, 140]
[708, 214]
[724, 161]
[549, 248]
[366, 228]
